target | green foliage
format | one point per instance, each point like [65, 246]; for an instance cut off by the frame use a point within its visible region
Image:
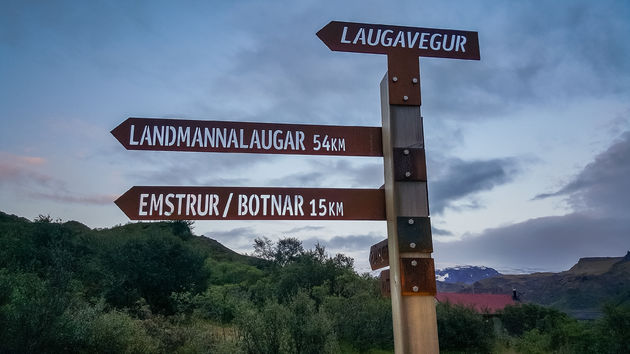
[461, 329]
[151, 267]
[614, 328]
[296, 328]
[364, 320]
[157, 288]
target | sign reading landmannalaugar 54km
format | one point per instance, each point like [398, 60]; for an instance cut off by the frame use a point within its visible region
[246, 137]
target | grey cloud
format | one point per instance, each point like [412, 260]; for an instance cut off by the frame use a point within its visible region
[551, 243]
[195, 168]
[349, 242]
[303, 228]
[239, 239]
[19, 172]
[78, 199]
[580, 51]
[338, 172]
[602, 186]
[436, 231]
[599, 226]
[461, 179]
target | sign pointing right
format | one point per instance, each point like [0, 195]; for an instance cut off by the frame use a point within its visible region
[384, 39]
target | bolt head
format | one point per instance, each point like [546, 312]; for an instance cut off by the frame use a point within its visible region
[405, 98]
[395, 78]
[415, 289]
[410, 221]
[414, 80]
[412, 245]
[406, 152]
[407, 174]
[414, 263]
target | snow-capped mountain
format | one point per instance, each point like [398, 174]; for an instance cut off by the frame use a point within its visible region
[464, 274]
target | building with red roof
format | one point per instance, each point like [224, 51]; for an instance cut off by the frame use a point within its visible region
[482, 303]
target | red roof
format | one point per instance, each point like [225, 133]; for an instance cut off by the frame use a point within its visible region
[489, 303]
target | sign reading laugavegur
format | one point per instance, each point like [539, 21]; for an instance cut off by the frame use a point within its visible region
[384, 39]
[247, 137]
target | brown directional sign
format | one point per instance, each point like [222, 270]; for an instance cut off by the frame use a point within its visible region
[379, 255]
[246, 137]
[384, 39]
[386, 290]
[245, 203]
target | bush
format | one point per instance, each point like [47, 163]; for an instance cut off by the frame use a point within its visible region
[462, 329]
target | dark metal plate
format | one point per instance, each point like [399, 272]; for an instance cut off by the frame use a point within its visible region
[417, 276]
[414, 234]
[410, 164]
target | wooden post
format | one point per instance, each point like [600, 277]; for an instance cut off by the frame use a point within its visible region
[412, 277]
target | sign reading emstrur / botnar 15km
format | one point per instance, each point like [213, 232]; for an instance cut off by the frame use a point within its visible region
[384, 39]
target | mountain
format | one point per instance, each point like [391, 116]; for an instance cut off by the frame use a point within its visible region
[580, 291]
[464, 274]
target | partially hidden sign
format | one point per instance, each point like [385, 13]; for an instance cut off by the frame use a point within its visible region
[413, 41]
[247, 203]
[247, 137]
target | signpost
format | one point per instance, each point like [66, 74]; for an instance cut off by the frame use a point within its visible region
[410, 279]
[411, 274]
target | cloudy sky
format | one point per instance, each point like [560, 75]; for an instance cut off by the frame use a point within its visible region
[528, 149]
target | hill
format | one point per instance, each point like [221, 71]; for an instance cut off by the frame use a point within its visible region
[464, 274]
[580, 291]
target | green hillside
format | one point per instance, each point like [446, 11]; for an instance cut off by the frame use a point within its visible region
[157, 288]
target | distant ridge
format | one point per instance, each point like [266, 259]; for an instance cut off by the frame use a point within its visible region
[580, 291]
[594, 265]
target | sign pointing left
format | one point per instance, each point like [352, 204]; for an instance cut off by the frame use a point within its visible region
[252, 203]
[246, 137]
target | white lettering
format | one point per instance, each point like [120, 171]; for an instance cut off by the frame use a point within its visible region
[360, 36]
[242, 204]
[156, 204]
[460, 44]
[243, 145]
[386, 41]
[448, 49]
[169, 204]
[143, 203]
[131, 141]
[423, 41]
[369, 38]
[400, 39]
[343, 35]
[412, 41]
[146, 135]
[435, 45]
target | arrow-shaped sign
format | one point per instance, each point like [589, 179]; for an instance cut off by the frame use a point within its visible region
[385, 39]
[246, 137]
[246, 203]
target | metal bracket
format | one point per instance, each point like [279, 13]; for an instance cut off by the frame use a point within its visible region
[404, 79]
[386, 290]
[417, 276]
[414, 234]
[410, 164]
